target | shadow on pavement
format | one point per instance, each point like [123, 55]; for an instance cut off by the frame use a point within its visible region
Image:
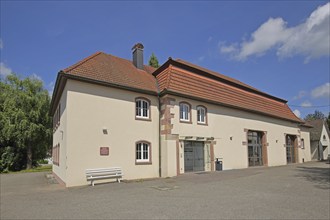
[320, 176]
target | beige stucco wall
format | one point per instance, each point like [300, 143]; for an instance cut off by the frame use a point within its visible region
[325, 142]
[87, 109]
[305, 153]
[92, 108]
[59, 137]
[224, 123]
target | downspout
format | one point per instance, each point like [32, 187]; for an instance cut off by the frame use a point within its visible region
[159, 137]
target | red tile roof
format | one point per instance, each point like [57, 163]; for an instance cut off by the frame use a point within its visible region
[188, 81]
[114, 70]
[181, 77]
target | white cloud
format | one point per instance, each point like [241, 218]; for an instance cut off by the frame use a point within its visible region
[306, 104]
[4, 70]
[322, 91]
[210, 39]
[297, 113]
[50, 88]
[1, 44]
[201, 58]
[310, 39]
[300, 95]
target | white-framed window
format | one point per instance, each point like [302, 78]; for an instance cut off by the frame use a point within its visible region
[142, 108]
[184, 112]
[143, 150]
[201, 115]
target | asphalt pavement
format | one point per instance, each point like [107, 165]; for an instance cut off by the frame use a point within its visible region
[298, 191]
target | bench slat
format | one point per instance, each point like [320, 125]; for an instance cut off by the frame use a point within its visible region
[103, 173]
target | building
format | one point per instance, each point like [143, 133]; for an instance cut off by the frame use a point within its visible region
[319, 135]
[164, 122]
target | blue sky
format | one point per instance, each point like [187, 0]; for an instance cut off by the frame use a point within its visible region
[279, 47]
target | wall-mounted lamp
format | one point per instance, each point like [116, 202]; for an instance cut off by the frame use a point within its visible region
[231, 138]
[276, 141]
[105, 130]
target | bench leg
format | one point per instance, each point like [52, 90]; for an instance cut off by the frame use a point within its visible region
[92, 182]
[118, 180]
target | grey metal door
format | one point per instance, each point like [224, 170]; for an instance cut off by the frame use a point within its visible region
[188, 157]
[193, 156]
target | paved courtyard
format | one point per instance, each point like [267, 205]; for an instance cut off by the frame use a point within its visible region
[299, 191]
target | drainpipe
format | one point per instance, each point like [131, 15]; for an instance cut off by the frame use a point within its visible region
[159, 138]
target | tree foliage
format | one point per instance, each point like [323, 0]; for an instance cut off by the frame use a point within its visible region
[315, 115]
[153, 61]
[25, 126]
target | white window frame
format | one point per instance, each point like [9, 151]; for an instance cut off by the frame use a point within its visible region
[184, 115]
[200, 116]
[140, 109]
[142, 154]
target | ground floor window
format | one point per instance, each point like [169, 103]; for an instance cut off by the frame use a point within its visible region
[143, 152]
[255, 154]
[56, 155]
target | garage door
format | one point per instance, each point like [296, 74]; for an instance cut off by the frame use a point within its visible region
[193, 156]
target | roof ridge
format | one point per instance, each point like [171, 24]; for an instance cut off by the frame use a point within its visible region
[70, 68]
[126, 60]
[220, 75]
[228, 79]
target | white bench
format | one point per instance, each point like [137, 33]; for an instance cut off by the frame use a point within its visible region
[104, 173]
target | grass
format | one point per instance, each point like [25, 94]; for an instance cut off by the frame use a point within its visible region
[45, 168]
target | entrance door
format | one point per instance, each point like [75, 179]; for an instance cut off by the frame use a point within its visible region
[290, 151]
[254, 148]
[193, 156]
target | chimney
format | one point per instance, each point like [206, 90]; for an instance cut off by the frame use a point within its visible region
[138, 55]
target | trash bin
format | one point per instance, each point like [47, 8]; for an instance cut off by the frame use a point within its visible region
[218, 164]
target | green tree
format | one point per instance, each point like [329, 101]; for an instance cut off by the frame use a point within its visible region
[153, 61]
[25, 125]
[315, 115]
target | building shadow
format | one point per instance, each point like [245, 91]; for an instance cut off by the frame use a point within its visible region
[319, 176]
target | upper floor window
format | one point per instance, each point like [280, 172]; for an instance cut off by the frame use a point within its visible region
[201, 115]
[184, 112]
[142, 108]
[143, 152]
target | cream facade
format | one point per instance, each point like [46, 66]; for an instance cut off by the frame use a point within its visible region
[96, 116]
[225, 136]
[320, 146]
[179, 118]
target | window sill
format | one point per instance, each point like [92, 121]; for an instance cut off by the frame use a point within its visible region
[142, 119]
[186, 122]
[199, 123]
[142, 163]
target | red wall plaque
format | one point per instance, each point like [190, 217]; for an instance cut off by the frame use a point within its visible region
[104, 151]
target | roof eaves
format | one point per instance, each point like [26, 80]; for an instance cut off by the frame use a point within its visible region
[115, 85]
[165, 91]
[57, 92]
